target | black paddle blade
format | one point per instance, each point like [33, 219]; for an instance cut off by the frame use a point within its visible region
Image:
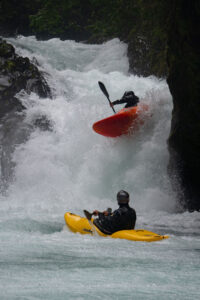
[88, 214]
[103, 88]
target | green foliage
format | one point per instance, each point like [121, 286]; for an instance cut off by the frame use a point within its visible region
[48, 19]
[113, 18]
[63, 18]
[96, 21]
[14, 14]
[10, 65]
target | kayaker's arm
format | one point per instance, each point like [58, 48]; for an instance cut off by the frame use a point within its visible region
[121, 101]
[95, 213]
[107, 212]
[131, 99]
[109, 216]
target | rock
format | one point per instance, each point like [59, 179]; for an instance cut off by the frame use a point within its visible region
[17, 73]
[184, 84]
[43, 124]
[13, 132]
[138, 59]
[6, 50]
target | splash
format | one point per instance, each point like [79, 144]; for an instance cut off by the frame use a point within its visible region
[72, 167]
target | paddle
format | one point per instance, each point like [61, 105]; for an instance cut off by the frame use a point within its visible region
[104, 90]
[89, 217]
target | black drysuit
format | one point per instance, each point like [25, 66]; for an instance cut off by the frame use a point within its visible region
[129, 98]
[122, 218]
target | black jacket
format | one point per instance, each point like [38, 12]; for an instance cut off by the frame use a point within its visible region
[122, 218]
[129, 98]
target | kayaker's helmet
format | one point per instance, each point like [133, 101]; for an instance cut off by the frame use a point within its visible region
[129, 94]
[122, 197]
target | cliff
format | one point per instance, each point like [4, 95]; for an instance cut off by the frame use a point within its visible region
[184, 83]
[17, 73]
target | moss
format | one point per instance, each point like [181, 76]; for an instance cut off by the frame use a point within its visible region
[10, 65]
[6, 50]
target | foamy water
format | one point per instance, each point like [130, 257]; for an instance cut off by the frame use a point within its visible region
[71, 168]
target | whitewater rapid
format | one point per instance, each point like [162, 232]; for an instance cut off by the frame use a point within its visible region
[71, 168]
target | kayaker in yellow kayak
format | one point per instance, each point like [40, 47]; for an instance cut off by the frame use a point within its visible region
[129, 98]
[122, 218]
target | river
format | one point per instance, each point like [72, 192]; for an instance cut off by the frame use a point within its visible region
[71, 168]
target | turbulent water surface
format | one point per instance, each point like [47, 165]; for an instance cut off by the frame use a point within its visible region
[70, 168]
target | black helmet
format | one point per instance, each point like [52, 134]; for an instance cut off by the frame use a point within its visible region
[128, 94]
[122, 197]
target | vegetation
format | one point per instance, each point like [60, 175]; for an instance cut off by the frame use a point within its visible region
[141, 23]
[14, 15]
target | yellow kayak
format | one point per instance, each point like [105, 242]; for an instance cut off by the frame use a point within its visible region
[79, 224]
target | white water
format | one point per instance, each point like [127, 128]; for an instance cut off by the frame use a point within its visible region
[72, 168]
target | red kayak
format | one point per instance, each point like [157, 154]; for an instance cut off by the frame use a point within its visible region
[125, 121]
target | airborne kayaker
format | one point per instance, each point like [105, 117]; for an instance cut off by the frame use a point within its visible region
[122, 218]
[129, 98]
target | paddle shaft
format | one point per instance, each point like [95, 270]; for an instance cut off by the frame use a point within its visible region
[104, 90]
[89, 217]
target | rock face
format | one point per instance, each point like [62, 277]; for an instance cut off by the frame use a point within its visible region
[145, 59]
[17, 73]
[184, 84]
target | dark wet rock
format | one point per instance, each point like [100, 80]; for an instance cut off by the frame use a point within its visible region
[184, 84]
[34, 61]
[43, 123]
[144, 60]
[13, 132]
[138, 49]
[17, 73]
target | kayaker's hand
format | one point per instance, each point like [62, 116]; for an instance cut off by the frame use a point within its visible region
[95, 212]
[106, 213]
[111, 105]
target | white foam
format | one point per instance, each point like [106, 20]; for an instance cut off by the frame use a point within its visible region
[72, 166]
